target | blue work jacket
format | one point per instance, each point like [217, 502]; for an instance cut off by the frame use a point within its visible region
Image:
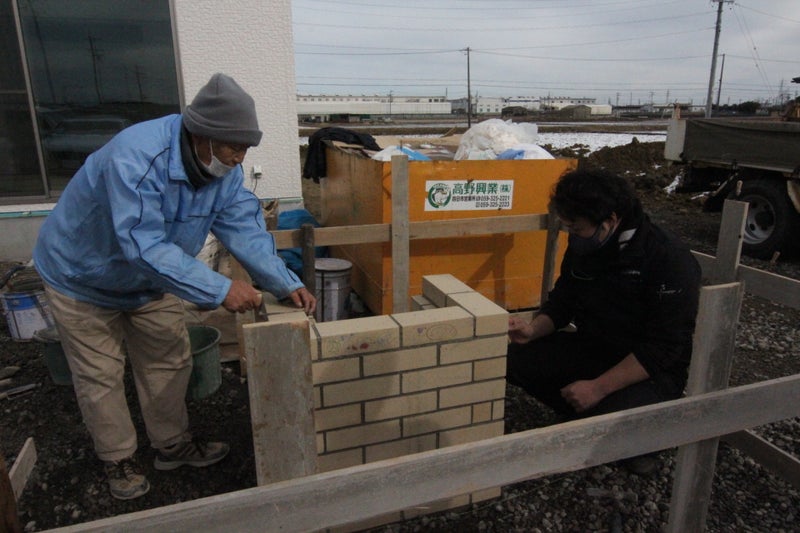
[129, 224]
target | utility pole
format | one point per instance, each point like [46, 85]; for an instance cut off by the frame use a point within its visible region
[719, 87]
[469, 93]
[714, 55]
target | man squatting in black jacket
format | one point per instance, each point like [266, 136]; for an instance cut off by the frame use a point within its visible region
[630, 288]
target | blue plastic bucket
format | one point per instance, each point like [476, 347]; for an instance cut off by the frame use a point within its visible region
[26, 312]
[206, 369]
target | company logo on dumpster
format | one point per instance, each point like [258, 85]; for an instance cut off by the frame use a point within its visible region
[469, 195]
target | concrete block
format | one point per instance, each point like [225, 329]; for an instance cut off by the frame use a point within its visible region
[337, 417]
[438, 287]
[335, 370]
[473, 393]
[489, 368]
[399, 448]
[357, 391]
[334, 461]
[490, 318]
[457, 352]
[399, 406]
[357, 336]
[340, 439]
[470, 434]
[436, 378]
[400, 360]
[435, 325]
[437, 421]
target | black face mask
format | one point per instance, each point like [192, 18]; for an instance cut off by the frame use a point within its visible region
[586, 245]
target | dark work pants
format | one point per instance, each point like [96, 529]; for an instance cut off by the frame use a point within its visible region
[543, 367]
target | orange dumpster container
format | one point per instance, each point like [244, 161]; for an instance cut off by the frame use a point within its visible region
[506, 268]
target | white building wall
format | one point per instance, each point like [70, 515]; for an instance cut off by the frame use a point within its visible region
[250, 40]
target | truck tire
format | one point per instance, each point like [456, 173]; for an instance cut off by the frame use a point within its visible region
[771, 219]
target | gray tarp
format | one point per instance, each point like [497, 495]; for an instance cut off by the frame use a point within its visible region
[773, 145]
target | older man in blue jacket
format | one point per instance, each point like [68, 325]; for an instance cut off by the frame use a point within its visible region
[117, 255]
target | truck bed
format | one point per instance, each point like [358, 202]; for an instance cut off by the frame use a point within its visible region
[760, 144]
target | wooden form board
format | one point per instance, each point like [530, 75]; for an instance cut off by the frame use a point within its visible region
[281, 399]
[358, 493]
[712, 355]
[22, 467]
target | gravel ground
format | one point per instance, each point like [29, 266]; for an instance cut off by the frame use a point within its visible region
[67, 485]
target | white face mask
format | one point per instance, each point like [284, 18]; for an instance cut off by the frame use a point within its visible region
[217, 168]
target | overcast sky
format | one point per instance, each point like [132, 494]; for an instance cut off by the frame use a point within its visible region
[618, 51]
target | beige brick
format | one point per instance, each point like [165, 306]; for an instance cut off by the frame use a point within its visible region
[436, 378]
[296, 316]
[489, 368]
[397, 361]
[470, 434]
[481, 412]
[498, 409]
[399, 406]
[420, 303]
[490, 318]
[473, 393]
[437, 506]
[335, 461]
[399, 448]
[457, 352]
[438, 287]
[340, 439]
[435, 325]
[364, 389]
[433, 422]
[337, 417]
[487, 494]
[336, 370]
[358, 336]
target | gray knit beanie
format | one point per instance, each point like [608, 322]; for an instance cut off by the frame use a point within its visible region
[224, 112]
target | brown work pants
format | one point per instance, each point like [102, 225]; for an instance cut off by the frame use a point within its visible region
[96, 341]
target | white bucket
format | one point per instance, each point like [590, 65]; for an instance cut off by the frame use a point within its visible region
[333, 288]
[25, 313]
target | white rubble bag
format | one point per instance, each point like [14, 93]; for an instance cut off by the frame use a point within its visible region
[493, 137]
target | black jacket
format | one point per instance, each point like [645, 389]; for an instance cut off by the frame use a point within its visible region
[641, 298]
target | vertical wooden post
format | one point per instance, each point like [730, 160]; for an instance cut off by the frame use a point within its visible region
[729, 242]
[712, 353]
[550, 254]
[281, 399]
[309, 258]
[9, 519]
[400, 246]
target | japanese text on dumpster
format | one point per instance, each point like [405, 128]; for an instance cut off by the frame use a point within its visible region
[468, 195]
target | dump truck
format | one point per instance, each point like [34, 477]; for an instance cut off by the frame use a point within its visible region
[755, 160]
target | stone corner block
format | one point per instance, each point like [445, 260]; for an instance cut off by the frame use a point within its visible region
[357, 336]
[435, 325]
[437, 287]
[490, 318]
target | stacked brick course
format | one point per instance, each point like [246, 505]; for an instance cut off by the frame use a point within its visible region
[392, 385]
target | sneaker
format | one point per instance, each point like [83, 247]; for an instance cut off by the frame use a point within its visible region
[125, 479]
[193, 453]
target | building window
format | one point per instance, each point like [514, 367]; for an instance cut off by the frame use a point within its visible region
[95, 67]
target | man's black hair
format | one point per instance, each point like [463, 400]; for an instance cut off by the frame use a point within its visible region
[594, 195]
